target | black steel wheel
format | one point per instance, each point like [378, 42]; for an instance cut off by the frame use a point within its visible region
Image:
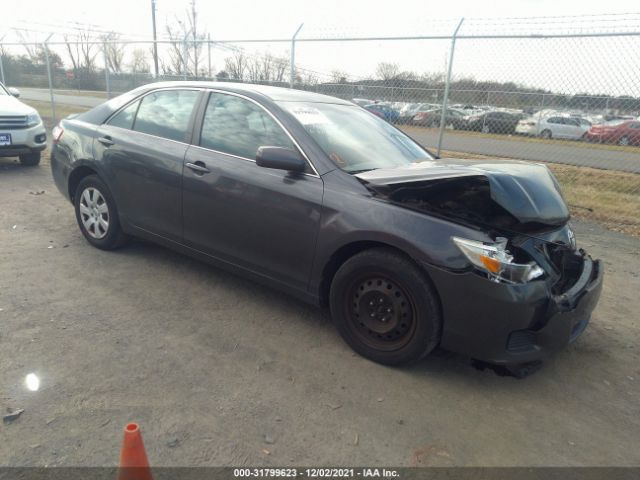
[385, 307]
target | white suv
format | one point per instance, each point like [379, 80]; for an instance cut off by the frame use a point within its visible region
[22, 133]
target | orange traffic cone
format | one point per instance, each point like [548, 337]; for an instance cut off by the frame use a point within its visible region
[134, 464]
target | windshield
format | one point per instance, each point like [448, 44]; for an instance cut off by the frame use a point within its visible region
[3, 90]
[354, 139]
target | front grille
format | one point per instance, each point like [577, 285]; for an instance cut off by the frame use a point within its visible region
[521, 341]
[13, 122]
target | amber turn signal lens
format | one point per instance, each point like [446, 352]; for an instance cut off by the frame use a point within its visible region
[491, 264]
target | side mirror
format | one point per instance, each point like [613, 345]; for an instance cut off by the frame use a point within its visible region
[14, 91]
[281, 159]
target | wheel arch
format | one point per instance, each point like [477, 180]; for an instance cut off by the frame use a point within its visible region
[76, 176]
[348, 250]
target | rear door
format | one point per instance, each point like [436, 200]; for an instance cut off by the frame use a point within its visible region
[142, 148]
[261, 219]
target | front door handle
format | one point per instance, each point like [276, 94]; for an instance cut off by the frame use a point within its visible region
[199, 168]
[106, 141]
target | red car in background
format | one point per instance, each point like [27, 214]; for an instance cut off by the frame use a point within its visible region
[622, 132]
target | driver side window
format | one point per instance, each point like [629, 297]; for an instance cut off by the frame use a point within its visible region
[237, 126]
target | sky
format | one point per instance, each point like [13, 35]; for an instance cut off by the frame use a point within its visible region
[574, 64]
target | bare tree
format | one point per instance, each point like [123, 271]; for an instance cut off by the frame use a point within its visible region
[310, 78]
[254, 69]
[280, 67]
[236, 65]
[338, 76]
[82, 51]
[73, 50]
[177, 50]
[88, 50]
[28, 43]
[114, 52]
[139, 61]
[387, 71]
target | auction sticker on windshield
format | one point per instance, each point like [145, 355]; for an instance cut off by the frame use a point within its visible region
[308, 115]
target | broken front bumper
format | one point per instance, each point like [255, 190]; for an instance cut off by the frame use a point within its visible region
[513, 323]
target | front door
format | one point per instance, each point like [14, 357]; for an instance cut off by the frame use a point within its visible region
[261, 219]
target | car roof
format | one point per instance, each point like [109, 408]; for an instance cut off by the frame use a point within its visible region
[276, 94]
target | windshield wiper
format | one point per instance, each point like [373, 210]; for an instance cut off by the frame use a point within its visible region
[354, 172]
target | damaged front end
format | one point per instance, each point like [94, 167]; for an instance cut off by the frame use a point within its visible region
[510, 201]
[541, 288]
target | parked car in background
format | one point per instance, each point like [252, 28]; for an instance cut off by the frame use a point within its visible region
[432, 118]
[22, 133]
[571, 128]
[407, 113]
[622, 132]
[490, 122]
[362, 101]
[383, 111]
[312, 195]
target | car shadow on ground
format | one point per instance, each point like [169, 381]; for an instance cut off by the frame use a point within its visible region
[440, 363]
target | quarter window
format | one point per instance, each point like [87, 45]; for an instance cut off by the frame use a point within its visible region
[239, 127]
[124, 118]
[166, 114]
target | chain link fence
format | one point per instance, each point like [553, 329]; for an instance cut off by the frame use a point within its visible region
[564, 91]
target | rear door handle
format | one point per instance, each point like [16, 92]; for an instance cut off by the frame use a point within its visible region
[199, 168]
[106, 141]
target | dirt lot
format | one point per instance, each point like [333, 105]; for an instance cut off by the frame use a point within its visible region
[221, 371]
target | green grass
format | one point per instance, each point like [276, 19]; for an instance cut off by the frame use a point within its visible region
[44, 109]
[606, 197]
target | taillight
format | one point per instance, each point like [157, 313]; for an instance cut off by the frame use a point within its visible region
[56, 133]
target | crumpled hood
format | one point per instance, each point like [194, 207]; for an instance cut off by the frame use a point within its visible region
[528, 191]
[12, 106]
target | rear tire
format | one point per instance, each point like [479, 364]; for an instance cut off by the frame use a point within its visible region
[97, 214]
[624, 141]
[30, 159]
[385, 308]
[546, 134]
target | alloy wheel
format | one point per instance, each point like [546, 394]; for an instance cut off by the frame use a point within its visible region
[94, 213]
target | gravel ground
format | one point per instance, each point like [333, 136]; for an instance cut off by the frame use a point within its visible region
[222, 371]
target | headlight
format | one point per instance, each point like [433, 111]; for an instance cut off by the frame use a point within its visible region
[496, 260]
[33, 119]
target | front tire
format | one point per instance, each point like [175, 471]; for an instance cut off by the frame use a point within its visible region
[30, 159]
[385, 308]
[97, 214]
[546, 134]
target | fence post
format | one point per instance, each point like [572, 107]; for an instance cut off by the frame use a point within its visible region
[445, 99]
[293, 57]
[49, 76]
[209, 53]
[184, 57]
[1, 65]
[106, 69]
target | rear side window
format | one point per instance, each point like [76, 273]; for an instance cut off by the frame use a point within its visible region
[239, 127]
[166, 114]
[124, 118]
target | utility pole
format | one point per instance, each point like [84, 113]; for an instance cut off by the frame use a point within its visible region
[195, 37]
[155, 40]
